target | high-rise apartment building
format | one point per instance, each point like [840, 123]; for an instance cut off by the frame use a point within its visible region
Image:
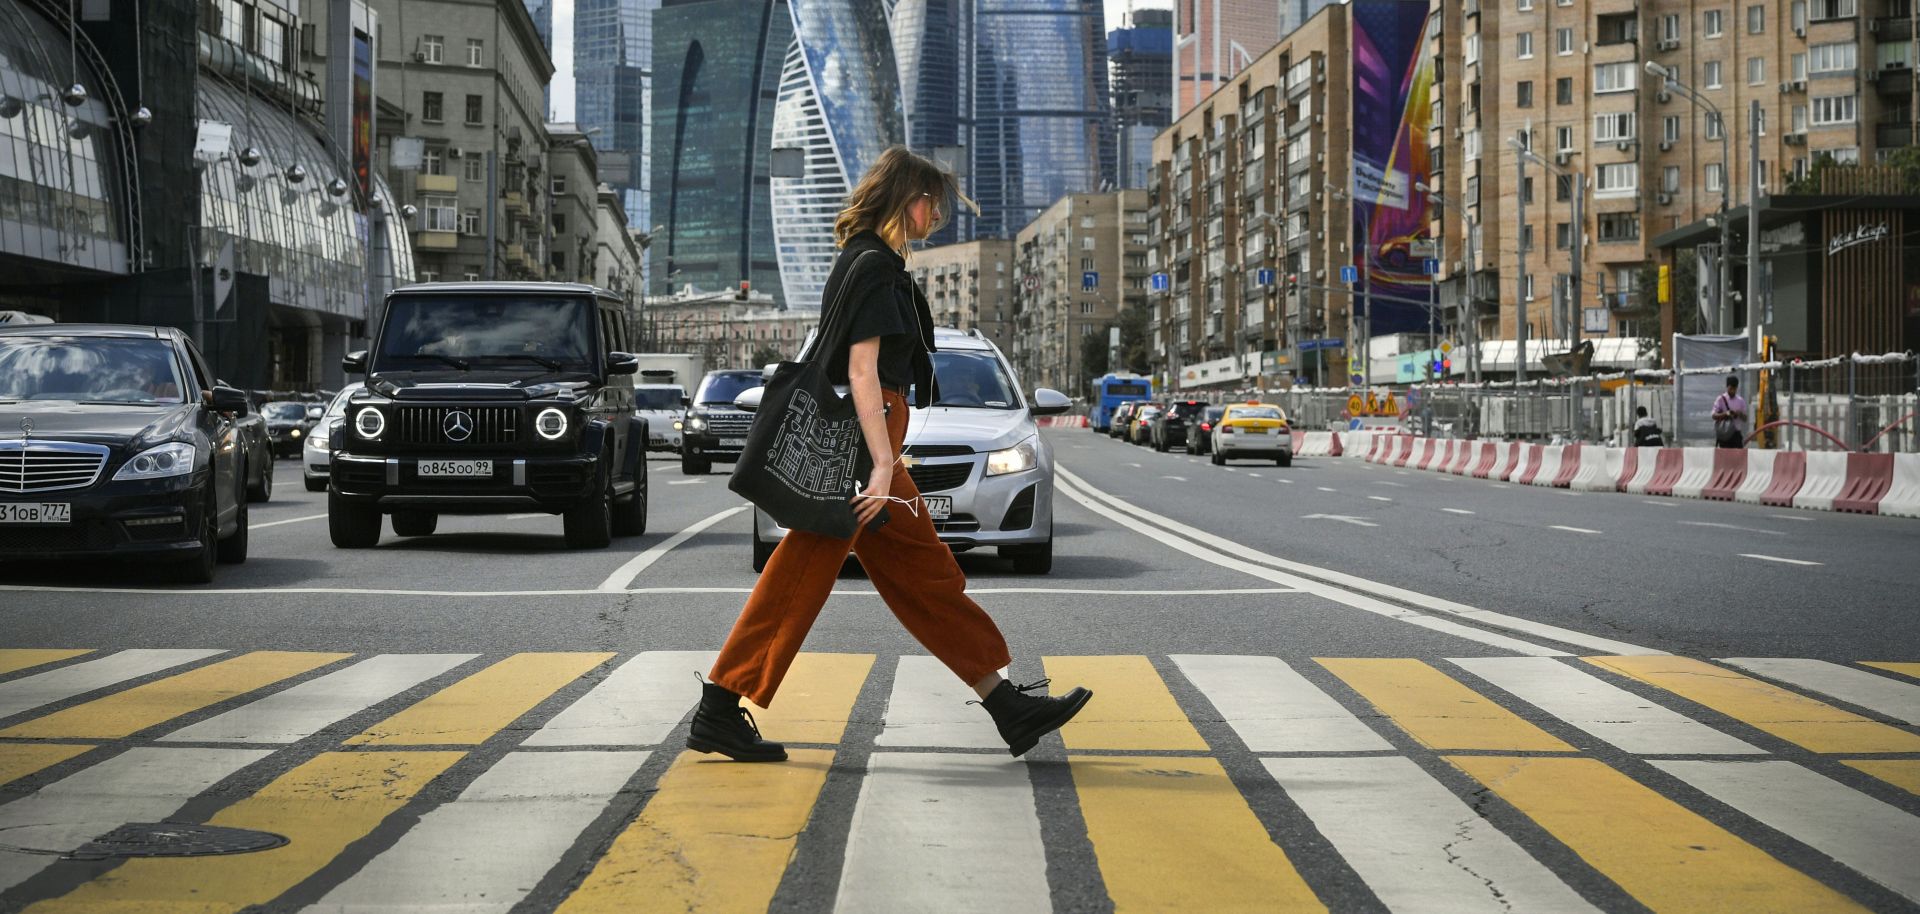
[716, 71]
[1080, 264]
[970, 286]
[1215, 39]
[1140, 55]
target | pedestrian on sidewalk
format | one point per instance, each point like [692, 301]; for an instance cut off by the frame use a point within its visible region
[1646, 432]
[1730, 416]
[902, 198]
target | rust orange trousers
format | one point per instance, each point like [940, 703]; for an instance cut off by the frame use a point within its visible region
[913, 571]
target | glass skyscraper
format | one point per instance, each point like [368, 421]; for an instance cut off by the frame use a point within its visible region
[613, 87]
[716, 66]
[931, 39]
[1141, 55]
[1043, 124]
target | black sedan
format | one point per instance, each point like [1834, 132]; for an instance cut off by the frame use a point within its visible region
[289, 423]
[1200, 437]
[1170, 428]
[118, 443]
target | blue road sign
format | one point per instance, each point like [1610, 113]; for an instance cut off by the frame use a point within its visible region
[1265, 276]
[1431, 266]
[1089, 281]
[1349, 274]
[1158, 281]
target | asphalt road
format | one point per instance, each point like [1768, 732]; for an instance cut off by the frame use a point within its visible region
[1399, 625]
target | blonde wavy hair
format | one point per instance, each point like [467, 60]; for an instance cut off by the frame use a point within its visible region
[881, 199]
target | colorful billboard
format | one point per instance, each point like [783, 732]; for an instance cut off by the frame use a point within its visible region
[363, 112]
[1392, 88]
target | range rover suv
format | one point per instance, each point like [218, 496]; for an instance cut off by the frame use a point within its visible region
[715, 429]
[492, 398]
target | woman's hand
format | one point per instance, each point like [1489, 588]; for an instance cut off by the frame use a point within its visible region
[871, 499]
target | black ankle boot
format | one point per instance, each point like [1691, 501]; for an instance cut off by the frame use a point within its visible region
[1023, 719]
[722, 725]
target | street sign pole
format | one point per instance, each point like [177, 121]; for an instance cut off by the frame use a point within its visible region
[1432, 268]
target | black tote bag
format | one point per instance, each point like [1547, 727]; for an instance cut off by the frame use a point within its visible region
[804, 450]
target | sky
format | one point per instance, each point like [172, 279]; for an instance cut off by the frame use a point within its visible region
[562, 85]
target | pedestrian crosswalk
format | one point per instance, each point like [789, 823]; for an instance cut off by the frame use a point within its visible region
[555, 781]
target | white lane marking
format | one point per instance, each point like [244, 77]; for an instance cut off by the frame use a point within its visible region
[1898, 700]
[1571, 529]
[1415, 844]
[686, 482]
[468, 594]
[1379, 498]
[1354, 583]
[1401, 473]
[1342, 518]
[146, 784]
[1708, 523]
[1662, 502]
[1861, 832]
[488, 848]
[307, 708]
[1501, 485]
[1275, 709]
[1389, 482]
[928, 707]
[81, 678]
[1286, 482]
[1775, 558]
[1179, 478]
[1457, 511]
[1600, 708]
[528, 516]
[290, 520]
[1793, 517]
[638, 704]
[1254, 475]
[1134, 465]
[622, 577]
[928, 827]
[1325, 489]
[1112, 508]
[1230, 469]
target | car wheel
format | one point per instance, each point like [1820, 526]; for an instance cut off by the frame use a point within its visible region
[415, 523]
[1036, 559]
[1284, 460]
[316, 485]
[762, 553]
[233, 549]
[1218, 460]
[589, 525]
[199, 568]
[1160, 445]
[630, 516]
[350, 525]
[262, 490]
[695, 466]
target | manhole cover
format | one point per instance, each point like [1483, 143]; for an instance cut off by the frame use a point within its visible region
[167, 839]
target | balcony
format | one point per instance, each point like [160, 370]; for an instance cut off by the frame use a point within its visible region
[435, 241]
[1894, 134]
[1892, 28]
[436, 184]
[515, 254]
[1894, 78]
[515, 202]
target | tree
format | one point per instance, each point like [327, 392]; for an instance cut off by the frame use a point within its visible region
[1136, 353]
[767, 354]
[1093, 357]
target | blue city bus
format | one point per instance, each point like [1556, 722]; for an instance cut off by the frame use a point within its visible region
[1112, 390]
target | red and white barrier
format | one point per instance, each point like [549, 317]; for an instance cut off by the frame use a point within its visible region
[1638, 469]
[1429, 452]
[1668, 464]
[1826, 476]
[1529, 465]
[1729, 471]
[1789, 472]
[1489, 455]
[1869, 477]
[1407, 450]
[1759, 477]
[1061, 421]
[1570, 465]
[1313, 444]
[1337, 450]
[1598, 469]
[1903, 498]
[1463, 457]
[1549, 467]
[1696, 470]
[1506, 460]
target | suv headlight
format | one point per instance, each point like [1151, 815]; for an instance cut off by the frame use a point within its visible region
[1015, 459]
[370, 422]
[175, 459]
[695, 423]
[551, 423]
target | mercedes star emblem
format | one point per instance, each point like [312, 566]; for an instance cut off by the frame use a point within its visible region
[458, 425]
[26, 429]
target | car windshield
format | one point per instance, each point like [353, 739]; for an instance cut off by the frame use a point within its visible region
[1149, 412]
[532, 331]
[94, 369]
[973, 380]
[284, 412]
[657, 398]
[723, 386]
[338, 408]
[1256, 412]
[1213, 413]
[1186, 408]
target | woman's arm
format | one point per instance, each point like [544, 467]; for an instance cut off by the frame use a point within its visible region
[863, 379]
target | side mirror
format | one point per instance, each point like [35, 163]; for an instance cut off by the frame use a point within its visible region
[315, 412]
[1050, 402]
[622, 363]
[685, 401]
[228, 400]
[749, 400]
[354, 362]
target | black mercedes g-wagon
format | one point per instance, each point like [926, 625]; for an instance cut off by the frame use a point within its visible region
[492, 398]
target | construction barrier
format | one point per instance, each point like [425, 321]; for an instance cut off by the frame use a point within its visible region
[1506, 460]
[1314, 444]
[1597, 470]
[1061, 421]
[1489, 455]
[1529, 466]
[1826, 476]
[1903, 499]
[1429, 449]
[1789, 471]
[1759, 477]
[1570, 465]
[1696, 470]
[1549, 467]
[1629, 468]
[1668, 464]
[1405, 452]
[1463, 455]
[1646, 465]
[1729, 471]
[1336, 450]
[1869, 477]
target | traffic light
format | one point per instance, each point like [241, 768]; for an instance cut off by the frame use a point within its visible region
[1665, 295]
[745, 287]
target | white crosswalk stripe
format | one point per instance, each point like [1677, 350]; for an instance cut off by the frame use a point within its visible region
[1898, 700]
[638, 704]
[1601, 708]
[928, 707]
[944, 832]
[1275, 709]
[1416, 844]
[306, 709]
[31, 692]
[485, 850]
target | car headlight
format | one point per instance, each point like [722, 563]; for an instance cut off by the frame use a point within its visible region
[370, 422]
[1015, 459]
[695, 423]
[551, 423]
[676, 425]
[293, 433]
[175, 459]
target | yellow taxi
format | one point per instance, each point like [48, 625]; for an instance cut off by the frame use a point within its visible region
[1253, 430]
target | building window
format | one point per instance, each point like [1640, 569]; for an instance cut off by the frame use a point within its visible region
[1612, 128]
[1611, 77]
[1834, 109]
[1714, 75]
[1617, 180]
[1470, 145]
[1799, 66]
[1523, 45]
[1716, 178]
[1670, 27]
[559, 185]
[1799, 118]
[1715, 126]
[1472, 48]
[1756, 20]
[1086, 243]
[1670, 179]
[1670, 128]
[559, 260]
[1563, 91]
[1562, 236]
[476, 53]
[1526, 287]
[1562, 188]
[473, 168]
[1821, 10]
[1523, 94]
[471, 275]
[470, 221]
[1713, 23]
[442, 213]
[433, 160]
[1618, 227]
[1563, 41]
[1833, 58]
[1525, 6]
[473, 109]
[1760, 127]
[559, 223]
[432, 107]
[1526, 191]
[1756, 70]
[432, 48]
[1526, 245]
[1563, 137]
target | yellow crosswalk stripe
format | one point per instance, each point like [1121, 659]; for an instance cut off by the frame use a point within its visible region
[321, 807]
[1790, 716]
[1131, 707]
[717, 836]
[13, 659]
[125, 713]
[1174, 834]
[470, 711]
[1903, 668]
[1901, 773]
[1668, 857]
[815, 699]
[17, 760]
[1437, 709]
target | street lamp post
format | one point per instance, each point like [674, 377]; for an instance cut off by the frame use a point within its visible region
[1470, 324]
[1366, 288]
[1576, 261]
[1723, 314]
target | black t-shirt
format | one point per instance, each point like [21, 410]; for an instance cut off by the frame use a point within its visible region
[882, 305]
